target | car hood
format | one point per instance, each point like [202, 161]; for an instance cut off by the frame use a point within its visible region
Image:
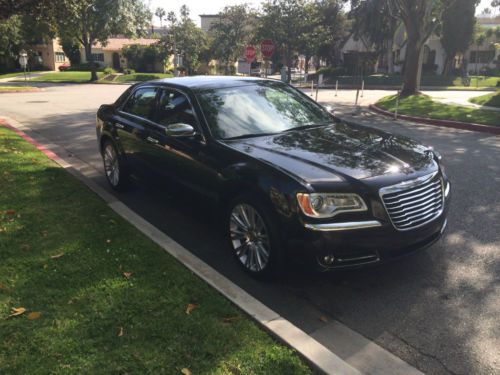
[339, 151]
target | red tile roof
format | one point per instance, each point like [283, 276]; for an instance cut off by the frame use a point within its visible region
[116, 44]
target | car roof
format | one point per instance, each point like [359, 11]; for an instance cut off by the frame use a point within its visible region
[211, 82]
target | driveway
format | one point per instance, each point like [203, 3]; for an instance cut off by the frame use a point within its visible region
[438, 310]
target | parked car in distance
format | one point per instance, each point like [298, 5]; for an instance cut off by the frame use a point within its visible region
[64, 67]
[292, 180]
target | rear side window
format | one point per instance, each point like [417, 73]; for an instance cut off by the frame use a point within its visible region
[141, 103]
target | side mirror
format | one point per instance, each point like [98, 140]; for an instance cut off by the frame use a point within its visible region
[180, 130]
[330, 109]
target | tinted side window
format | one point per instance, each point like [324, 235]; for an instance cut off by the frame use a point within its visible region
[175, 108]
[141, 103]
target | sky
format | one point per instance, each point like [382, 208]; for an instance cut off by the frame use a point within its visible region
[198, 7]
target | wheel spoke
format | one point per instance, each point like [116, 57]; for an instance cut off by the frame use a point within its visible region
[238, 221]
[245, 217]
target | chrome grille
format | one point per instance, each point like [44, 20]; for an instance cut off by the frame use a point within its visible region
[414, 203]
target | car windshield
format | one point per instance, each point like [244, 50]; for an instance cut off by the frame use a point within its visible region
[258, 109]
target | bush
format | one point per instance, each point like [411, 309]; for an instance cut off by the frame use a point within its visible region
[128, 71]
[109, 70]
[84, 67]
[332, 71]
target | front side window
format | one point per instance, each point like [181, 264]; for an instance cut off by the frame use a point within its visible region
[141, 103]
[261, 108]
[174, 108]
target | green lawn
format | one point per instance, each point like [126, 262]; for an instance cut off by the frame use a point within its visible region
[423, 106]
[16, 74]
[141, 77]
[16, 88]
[99, 296]
[490, 100]
[427, 80]
[72, 77]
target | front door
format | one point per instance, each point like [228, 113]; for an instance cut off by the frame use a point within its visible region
[131, 125]
[181, 158]
[116, 61]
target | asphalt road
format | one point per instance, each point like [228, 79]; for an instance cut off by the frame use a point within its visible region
[439, 310]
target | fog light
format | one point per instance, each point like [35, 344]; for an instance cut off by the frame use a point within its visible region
[328, 259]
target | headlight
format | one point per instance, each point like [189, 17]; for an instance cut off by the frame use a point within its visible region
[321, 205]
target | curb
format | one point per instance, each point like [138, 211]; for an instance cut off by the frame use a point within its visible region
[446, 123]
[20, 91]
[310, 349]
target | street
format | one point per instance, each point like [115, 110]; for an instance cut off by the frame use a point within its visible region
[438, 310]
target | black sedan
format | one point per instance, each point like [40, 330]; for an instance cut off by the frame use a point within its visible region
[291, 179]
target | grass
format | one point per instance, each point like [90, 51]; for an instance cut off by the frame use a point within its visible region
[427, 80]
[141, 77]
[423, 106]
[70, 77]
[64, 254]
[15, 74]
[16, 88]
[490, 100]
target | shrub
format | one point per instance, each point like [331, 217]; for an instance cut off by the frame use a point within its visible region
[128, 71]
[332, 71]
[109, 70]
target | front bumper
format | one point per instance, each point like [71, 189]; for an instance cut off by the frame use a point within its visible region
[353, 244]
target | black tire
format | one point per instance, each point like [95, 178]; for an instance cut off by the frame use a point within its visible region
[253, 241]
[115, 168]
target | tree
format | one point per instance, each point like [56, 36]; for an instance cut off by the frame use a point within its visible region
[160, 13]
[91, 21]
[373, 22]
[457, 29]
[231, 34]
[421, 18]
[332, 30]
[39, 8]
[283, 21]
[184, 38]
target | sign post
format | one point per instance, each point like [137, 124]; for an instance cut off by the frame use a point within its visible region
[23, 61]
[267, 49]
[250, 56]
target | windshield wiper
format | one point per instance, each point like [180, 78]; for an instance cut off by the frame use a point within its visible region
[307, 126]
[250, 135]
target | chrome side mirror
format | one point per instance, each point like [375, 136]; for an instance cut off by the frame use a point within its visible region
[180, 130]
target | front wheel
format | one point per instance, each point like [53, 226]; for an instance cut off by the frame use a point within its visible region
[253, 238]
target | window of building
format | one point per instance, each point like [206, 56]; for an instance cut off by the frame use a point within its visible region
[98, 57]
[60, 57]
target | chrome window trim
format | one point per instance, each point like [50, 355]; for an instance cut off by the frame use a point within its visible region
[405, 185]
[349, 225]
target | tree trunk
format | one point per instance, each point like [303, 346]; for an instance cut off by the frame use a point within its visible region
[390, 56]
[90, 61]
[412, 68]
[306, 63]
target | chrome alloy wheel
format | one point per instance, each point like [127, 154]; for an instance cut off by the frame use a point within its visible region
[249, 237]
[111, 166]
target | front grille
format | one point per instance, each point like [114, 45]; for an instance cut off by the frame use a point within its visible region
[414, 203]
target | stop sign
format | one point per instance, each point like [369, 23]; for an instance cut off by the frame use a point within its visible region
[267, 48]
[250, 53]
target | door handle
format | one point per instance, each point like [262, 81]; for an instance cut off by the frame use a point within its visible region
[152, 140]
[119, 126]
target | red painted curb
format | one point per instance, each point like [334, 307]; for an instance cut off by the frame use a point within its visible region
[19, 91]
[446, 123]
[26, 137]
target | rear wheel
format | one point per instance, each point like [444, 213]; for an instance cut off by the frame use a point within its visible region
[114, 167]
[253, 238]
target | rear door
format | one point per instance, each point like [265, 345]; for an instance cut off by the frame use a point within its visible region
[131, 124]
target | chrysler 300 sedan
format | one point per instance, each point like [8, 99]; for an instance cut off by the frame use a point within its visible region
[291, 179]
